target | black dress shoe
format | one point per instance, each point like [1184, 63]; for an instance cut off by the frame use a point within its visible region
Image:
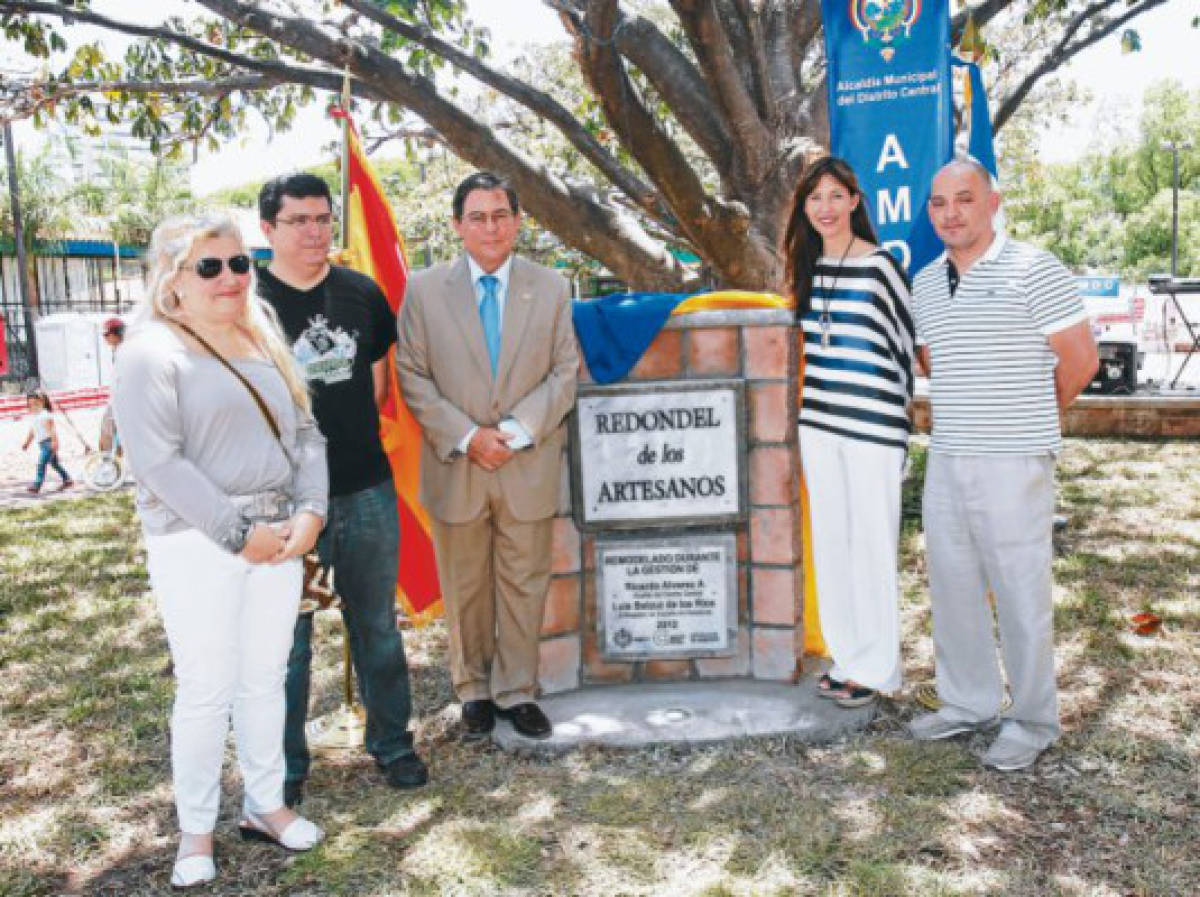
[293, 792]
[478, 717]
[408, 771]
[527, 719]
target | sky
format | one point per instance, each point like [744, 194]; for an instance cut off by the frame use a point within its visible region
[1170, 47]
[1115, 80]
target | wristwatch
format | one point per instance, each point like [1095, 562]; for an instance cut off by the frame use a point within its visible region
[235, 539]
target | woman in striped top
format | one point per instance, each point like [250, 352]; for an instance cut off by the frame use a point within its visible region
[852, 305]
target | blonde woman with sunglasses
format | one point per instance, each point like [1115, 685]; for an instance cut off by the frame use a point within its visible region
[232, 491]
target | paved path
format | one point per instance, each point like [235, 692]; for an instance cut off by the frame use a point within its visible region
[688, 712]
[17, 467]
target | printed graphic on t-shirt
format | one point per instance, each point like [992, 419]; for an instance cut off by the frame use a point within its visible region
[325, 353]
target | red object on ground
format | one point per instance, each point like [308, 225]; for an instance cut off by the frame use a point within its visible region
[13, 407]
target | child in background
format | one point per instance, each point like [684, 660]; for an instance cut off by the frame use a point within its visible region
[42, 430]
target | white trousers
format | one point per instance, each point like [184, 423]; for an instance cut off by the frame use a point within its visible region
[988, 524]
[229, 624]
[854, 497]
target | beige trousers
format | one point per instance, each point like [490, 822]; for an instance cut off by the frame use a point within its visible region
[988, 524]
[494, 572]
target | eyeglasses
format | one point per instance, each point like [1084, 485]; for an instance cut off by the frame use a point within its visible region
[499, 218]
[208, 268]
[302, 221]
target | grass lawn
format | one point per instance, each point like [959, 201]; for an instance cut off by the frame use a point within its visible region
[1114, 809]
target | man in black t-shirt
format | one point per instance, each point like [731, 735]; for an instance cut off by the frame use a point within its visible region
[341, 327]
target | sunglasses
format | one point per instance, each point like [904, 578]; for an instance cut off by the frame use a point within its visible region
[208, 268]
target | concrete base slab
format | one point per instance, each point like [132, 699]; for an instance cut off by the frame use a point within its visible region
[642, 714]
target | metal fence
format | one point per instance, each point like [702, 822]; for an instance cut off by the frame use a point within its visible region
[74, 278]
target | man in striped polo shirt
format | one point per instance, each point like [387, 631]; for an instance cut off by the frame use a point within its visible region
[1007, 345]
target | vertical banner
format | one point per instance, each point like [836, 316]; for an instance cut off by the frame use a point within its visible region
[890, 111]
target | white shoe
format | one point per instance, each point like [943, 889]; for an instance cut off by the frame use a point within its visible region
[934, 727]
[1009, 755]
[194, 869]
[298, 835]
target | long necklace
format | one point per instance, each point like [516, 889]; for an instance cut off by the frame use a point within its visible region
[826, 314]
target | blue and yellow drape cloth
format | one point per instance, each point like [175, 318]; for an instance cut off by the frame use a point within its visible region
[615, 331]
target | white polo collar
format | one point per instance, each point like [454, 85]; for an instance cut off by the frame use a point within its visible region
[501, 274]
[999, 241]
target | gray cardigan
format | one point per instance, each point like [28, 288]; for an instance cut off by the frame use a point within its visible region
[194, 436]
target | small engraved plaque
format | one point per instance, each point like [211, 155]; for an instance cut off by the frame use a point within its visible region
[656, 454]
[667, 598]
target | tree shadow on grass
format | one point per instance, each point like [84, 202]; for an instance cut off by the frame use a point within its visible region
[872, 815]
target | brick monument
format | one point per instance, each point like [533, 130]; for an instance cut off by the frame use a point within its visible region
[700, 357]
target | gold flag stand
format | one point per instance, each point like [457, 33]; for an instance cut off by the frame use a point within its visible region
[341, 729]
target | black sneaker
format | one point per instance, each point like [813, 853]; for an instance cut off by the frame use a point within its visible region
[408, 771]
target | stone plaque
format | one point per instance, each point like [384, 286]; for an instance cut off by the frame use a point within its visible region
[660, 453]
[667, 598]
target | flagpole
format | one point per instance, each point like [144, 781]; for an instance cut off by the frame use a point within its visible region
[342, 729]
[345, 229]
[347, 668]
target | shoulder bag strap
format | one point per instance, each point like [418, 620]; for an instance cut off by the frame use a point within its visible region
[254, 393]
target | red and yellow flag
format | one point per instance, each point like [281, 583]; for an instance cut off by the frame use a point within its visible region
[375, 247]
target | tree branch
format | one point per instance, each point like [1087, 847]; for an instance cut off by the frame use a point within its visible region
[203, 87]
[680, 85]
[982, 13]
[654, 149]
[538, 102]
[670, 72]
[805, 26]
[22, 99]
[764, 92]
[710, 42]
[777, 50]
[581, 219]
[1067, 47]
[284, 71]
[426, 135]
[720, 231]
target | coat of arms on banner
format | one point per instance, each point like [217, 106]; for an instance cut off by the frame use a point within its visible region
[884, 23]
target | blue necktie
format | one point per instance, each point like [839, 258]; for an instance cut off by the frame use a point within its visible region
[489, 314]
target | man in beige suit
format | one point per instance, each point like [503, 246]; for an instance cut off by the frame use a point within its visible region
[487, 363]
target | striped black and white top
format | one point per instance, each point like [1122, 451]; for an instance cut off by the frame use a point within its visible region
[992, 385]
[859, 382]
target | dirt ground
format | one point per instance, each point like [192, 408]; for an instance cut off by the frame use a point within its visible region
[1110, 811]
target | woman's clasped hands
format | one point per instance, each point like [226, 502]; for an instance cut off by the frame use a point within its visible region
[273, 543]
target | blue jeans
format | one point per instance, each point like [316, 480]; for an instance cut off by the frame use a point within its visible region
[361, 541]
[47, 455]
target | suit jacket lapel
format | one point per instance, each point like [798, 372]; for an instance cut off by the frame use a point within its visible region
[461, 302]
[517, 308]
